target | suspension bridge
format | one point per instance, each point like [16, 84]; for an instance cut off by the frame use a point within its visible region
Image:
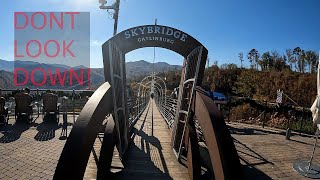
[144, 127]
[141, 131]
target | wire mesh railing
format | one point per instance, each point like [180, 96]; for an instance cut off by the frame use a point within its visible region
[136, 106]
[167, 107]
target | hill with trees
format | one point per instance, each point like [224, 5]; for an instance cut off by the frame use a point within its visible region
[294, 72]
[253, 90]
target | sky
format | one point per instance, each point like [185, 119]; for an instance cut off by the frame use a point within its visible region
[224, 27]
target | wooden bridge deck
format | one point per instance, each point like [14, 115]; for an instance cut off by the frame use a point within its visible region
[149, 155]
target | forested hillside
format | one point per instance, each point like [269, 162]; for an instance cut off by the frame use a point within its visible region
[251, 83]
[253, 90]
[294, 72]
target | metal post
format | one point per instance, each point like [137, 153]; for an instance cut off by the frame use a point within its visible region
[65, 116]
[152, 119]
[314, 149]
[288, 132]
[138, 104]
[264, 114]
[144, 98]
[301, 120]
[37, 94]
[73, 98]
[306, 168]
[64, 107]
[37, 101]
[229, 113]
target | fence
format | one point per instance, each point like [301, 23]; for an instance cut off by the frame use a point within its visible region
[269, 114]
[167, 107]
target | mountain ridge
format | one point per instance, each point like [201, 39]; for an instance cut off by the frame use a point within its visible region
[134, 69]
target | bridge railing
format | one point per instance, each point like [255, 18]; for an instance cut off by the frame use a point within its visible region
[94, 115]
[167, 107]
[205, 120]
[73, 104]
[205, 125]
[207, 141]
[75, 155]
[222, 157]
[136, 106]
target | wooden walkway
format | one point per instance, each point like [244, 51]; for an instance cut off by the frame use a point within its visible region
[149, 155]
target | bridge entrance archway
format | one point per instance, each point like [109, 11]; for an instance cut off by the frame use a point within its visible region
[114, 50]
[194, 112]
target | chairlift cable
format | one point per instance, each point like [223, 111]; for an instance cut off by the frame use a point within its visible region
[154, 51]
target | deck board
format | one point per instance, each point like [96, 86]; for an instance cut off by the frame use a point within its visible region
[150, 154]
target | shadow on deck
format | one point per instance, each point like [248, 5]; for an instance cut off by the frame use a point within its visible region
[149, 155]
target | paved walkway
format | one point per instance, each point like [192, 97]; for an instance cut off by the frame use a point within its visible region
[265, 153]
[30, 151]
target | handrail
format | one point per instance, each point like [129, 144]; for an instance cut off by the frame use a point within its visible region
[167, 107]
[223, 155]
[206, 118]
[136, 106]
[74, 157]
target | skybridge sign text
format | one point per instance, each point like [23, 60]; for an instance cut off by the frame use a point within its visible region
[154, 36]
[156, 33]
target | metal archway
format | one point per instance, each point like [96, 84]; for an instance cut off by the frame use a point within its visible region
[153, 76]
[114, 51]
[195, 54]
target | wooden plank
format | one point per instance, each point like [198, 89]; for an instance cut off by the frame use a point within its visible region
[150, 155]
